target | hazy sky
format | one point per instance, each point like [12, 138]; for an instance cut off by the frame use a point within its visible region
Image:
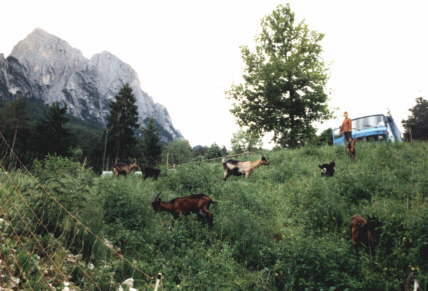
[187, 54]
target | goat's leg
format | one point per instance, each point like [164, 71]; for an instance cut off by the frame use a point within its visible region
[210, 218]
[247, 174]
[208, 215]
[201, 215]
[371, 248]
[226, 175]
[176, 215]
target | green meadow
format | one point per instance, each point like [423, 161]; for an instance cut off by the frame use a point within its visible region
[284, 228]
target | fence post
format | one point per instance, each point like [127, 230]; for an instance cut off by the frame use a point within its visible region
[158, 281]
[105, 149]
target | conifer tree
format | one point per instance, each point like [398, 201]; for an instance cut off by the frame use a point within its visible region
[122, 122]
[151, 147]
[15, 127]
[51, 134]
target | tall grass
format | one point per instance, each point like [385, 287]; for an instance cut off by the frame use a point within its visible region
[284, 228]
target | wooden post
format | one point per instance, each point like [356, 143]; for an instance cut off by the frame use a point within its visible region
[105, 149]
[167, 158]
[158, 281]
[84, 163]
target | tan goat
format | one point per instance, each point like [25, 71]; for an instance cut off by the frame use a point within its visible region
[238, 168]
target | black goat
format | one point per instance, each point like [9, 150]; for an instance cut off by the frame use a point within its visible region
[149, 172]
[328, 169]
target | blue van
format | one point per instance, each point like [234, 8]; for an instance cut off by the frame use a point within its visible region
[377, 127]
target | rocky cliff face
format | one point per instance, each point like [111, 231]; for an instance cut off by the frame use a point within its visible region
[46, 67]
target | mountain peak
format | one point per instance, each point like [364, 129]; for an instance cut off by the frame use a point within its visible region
[40, 32]
[41, 45]
[53, 70]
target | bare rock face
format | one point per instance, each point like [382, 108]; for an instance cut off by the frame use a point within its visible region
[46, 67]
[13, 78]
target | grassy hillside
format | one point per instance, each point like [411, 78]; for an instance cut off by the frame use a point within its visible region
[285, 228]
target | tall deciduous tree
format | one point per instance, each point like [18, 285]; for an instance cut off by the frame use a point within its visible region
[326, 137]
[416, 125]
[215, 151]
[245, 140]
[284, 81]
[122, 122]
[150, 146]
[178, 151]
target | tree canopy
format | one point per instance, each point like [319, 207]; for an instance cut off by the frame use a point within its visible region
[52, 136]
[178, 151]
[416, 126]
[150, 146]
[245, 140]
[284, 81]
[122, 122]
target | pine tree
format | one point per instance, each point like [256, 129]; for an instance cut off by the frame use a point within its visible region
[150, 146]
[15, 127]
[51, 134]
[122, 124]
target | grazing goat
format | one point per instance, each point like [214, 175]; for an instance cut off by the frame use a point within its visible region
[363, 232]
[237, 168]
[197, 203]
[149, 172]
[350, 148]
[327, 169]
[124, 168]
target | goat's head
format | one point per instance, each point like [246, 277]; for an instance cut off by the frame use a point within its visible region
[156, 203]
[264, 161]
[134, 165]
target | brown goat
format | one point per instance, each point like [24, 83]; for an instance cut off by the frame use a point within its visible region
[197, 203]
[237, 168]
[124, 168]
[351, 149]
[363, 232]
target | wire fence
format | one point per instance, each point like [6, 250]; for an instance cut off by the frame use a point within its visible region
[211, 160]
[45, 246]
